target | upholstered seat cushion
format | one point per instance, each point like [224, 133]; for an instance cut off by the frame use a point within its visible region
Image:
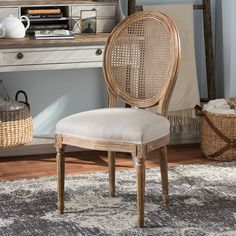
[115, 124]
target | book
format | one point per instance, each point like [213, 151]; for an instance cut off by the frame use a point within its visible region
[44, 16]
[54, 34]
[43, 11]
[54, 37]
[48, 26]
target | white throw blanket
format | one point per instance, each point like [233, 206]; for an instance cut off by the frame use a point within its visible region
[219, 106]
[186, 94]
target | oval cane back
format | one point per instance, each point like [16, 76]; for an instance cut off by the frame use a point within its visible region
[141, 59]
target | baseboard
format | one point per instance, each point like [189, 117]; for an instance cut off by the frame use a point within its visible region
[37, 146]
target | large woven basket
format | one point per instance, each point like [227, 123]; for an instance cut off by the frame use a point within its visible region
[16, 126]
[217, 135]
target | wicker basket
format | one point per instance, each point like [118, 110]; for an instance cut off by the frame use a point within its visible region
[16, 126]
[217, 135]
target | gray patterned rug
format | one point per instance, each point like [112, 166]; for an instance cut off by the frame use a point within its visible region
[202, 202]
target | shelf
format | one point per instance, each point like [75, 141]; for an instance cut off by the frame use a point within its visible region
[47, 19]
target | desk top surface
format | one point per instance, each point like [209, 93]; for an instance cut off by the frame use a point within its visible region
[80, 39]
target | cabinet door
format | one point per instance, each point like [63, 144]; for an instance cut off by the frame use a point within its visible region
[6, 11]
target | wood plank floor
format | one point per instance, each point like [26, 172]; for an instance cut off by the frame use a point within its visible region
[90, 161]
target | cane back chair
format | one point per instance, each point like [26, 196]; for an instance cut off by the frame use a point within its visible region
[141, 61]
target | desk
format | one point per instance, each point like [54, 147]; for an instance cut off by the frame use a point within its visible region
[85, 51]
[28, 54]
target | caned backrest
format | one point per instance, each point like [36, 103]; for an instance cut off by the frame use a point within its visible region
[141, 59]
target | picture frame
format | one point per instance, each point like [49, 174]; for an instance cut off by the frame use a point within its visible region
[88, 21]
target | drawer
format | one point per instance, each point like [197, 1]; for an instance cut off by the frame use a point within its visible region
[6, 11]
[103, 25]
[40, 56]
[102, 11]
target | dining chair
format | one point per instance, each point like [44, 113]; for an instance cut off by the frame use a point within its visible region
[140, 65]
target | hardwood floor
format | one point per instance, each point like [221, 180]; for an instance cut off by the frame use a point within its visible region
[90, 161]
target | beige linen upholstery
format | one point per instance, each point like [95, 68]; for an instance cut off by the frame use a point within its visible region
[115, 124]
[140, 65]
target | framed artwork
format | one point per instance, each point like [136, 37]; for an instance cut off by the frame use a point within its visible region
[88, 21]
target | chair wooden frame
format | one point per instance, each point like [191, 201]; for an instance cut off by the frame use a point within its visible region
[139, 151]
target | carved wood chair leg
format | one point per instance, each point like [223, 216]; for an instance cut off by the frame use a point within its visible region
[140, 180]
[60, 174]
[111, 167]
[164, 175]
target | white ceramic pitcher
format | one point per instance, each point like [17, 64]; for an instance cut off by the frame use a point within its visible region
[12, 27]
[2, 31]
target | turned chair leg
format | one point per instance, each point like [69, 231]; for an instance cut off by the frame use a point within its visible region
[140, 180]
[111, 167]
[60, 174]
[164, 175]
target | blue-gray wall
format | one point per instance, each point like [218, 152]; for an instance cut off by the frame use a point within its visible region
[56, 94]
[227, 46]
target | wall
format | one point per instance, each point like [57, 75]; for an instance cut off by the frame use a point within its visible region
[56, 94]
[225, 47]
[229, 54]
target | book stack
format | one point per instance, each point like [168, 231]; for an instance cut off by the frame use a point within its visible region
[43, 19]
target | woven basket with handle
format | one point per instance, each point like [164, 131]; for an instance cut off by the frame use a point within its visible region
[217, 135]
[16, 126]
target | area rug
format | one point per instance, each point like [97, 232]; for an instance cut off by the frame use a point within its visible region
[202, 202]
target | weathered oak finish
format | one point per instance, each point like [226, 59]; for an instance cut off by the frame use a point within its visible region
[60, 172]
[131, 35]
[140, 159]
[164, 175]
[111, 167]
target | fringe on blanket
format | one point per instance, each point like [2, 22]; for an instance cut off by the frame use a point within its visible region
[184, 124]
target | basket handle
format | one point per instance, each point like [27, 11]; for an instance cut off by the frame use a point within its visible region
[4, 90]
[25, 96]
[198, 110]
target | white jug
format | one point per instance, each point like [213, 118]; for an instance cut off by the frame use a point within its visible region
[12, 27]
[2, 31]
